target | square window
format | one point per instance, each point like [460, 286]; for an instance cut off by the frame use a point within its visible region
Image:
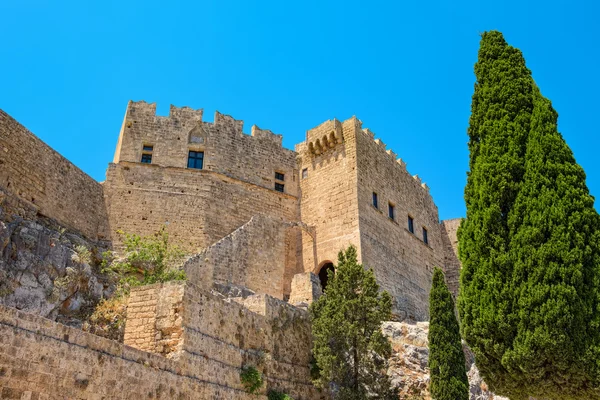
[148, 147]
[195, 159]
[279, 187]
[391, 209]
[279, 176]
[375, 202]
[425, 238]
[305, 173]
[411, 224]
[147, 158]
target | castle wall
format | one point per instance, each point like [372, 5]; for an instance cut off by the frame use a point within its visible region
[220, 337]
[451, 261]
[253, 256]
[227, 150]
[402, 262]
[329, 191]
[201, 206]
[47, 182]
[198, 207]
[46, 360]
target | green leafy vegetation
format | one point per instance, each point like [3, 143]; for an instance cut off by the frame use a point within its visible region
[251, 378]
[529, 246]
[446, 358]
[350, 350]
[147, 260]
[275, 395]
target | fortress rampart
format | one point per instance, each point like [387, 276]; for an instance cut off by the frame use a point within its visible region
[35, 179]
[40, 358]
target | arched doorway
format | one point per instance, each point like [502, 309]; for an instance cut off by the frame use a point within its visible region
[325, 267]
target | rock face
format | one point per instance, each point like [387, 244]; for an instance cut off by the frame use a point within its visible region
[408, 365]
[48, 271]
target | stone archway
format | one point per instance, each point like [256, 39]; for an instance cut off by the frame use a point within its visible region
[325, 267]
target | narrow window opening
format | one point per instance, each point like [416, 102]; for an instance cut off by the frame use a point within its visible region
[375, 202]
[411, 224]
[425, 238]
[279, 187]
[279, 176]
[195, 159]
[305, 173]
[391, 209]
[147, 158]
[147, 154]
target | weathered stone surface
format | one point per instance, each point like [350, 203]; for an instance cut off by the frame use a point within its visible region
[47, 183]
[38, 273]
[408, 365]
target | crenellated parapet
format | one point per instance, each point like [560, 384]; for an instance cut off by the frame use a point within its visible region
[182, 118]
[143, 112]
[265, 134]
[398, 162]
[324, 137]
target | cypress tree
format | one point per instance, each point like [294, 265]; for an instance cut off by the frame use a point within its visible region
[529, 296]
[446, 358]
[500, 118]
[555, 253]
[349, 348]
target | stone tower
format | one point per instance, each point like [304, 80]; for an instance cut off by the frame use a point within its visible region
[354, 191]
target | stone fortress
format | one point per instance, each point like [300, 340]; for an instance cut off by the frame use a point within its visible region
[262, 223]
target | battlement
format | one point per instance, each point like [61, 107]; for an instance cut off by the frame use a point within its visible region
[324, 137]
[145, 113]
[266, 134]
[398, 162]
[141, 111]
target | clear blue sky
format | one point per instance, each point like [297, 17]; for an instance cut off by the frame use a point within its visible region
[405, 69]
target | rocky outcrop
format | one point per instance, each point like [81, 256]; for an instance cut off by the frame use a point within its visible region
[49, 271]
[408, 365]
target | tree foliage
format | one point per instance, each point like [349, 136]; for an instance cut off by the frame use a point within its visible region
[446, 358]
[146, 260]
[530, 243]
[349, 348]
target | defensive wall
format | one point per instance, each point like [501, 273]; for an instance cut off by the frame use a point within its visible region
[35, 180]
[216, 338]
[402, 260]
[213, 340]
[255, 256]
[451, 260]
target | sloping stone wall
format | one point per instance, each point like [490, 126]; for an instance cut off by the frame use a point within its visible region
[253, 256]
[48, 183]
[451, 261]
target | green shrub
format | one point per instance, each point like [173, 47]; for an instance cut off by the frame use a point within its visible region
[275, 395]
[251, 378]
[108, 319]
[147, 260]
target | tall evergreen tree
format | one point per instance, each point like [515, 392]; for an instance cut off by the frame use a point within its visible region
[555, 250]
[499, 125]
[446, 358]
[349, 347]
[529, 290]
